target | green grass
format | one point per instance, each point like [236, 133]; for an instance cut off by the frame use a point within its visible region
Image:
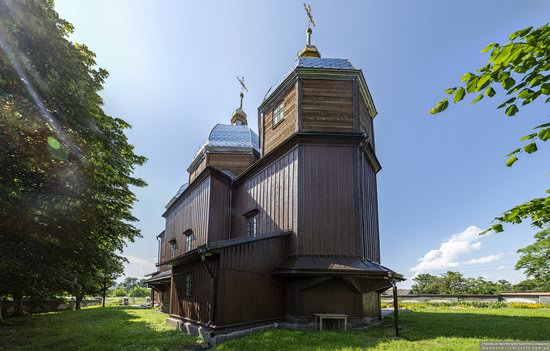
[422, 329]
[126, 328]
[94, 328]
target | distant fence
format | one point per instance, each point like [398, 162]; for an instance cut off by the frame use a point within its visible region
[30, 307]
[542, 298]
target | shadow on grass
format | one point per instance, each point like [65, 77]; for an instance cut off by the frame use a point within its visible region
[110, 328]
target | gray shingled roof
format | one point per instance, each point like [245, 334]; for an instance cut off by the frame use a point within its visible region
[316, 62]
[233, 136]
[228, 137]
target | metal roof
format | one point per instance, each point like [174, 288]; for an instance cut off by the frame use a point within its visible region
[317, 62]
[228, 138]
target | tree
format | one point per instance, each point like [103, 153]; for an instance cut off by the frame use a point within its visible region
[128, 283]
[518, 67]
[66, 167]
[119, 292]
[138, 291]
[535, 258]
[425, 284]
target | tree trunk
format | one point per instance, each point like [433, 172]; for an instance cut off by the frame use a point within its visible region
[0, 310]
[78, 302]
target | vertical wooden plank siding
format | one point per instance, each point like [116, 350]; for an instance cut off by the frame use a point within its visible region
[327, 105]
[245, 270]
[275, 135]
[199, 306]
[271, 191]
[190, 214]
[369, 209]
[329, 214]
[219, 221]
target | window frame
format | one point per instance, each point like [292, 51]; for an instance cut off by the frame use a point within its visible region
[173, 248]
[282, 114]
[189, 238]
[251, 218]
[188, 279]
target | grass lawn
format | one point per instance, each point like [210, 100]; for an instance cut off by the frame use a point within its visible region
[126, 328]
[423, 329]
[94, 328]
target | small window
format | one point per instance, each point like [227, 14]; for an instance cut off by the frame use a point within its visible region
[251, 225]
[188, 241]
[189, 285]
[173, 247]
[278, 113]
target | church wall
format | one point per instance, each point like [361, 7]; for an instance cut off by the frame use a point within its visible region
[272, 191]
[198, 307]
[234, 162]
[369, 208]
[275, 135]
[194, 174]
[220, 202]
[247, 292]
[327, 105]
[190, 214]
[365, 122]
[329, 215]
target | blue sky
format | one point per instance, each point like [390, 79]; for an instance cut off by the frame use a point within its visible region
[172, 71]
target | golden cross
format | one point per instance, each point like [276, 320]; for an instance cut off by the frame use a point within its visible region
[243, 87]
[309, 15]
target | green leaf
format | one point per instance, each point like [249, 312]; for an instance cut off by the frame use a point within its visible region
[514, 152]
[450, 90]
[459, 95]
[511, 110]
[497, 228]
[545, 88]
[483, 81]
[544, 134]
[509, 101]
[479, 97]
[440, 107]
[471, 86]
[530, 148]
[528, 137]
[490, 92]
[525, 93]
[508, 83]
[488, 47]
[520, 33]
[466, 77]
[511, 161]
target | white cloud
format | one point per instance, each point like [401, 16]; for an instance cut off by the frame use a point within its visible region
[501, 267]
[138, 267]
[484, 259]
[448, 254]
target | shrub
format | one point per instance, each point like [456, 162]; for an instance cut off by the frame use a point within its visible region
[526, 305]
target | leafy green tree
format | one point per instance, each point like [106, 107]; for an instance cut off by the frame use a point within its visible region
[66, 168]
[119, 292]
[138, 291]
[128, 283]
[531, 285]
[535, 258]
[519, 69]
[425, 284]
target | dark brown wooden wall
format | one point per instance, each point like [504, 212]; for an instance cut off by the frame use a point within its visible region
[276, 135]
[189, 214]
[369, 208]
[330, 296]
[327, 105]
[220, 204]
[273, 192]
[329, 207]
[199, 306]
[247, 291]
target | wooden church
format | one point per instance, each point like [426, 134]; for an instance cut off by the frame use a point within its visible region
[282, 226]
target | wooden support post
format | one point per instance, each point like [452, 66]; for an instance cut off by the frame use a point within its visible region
[395, 308]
